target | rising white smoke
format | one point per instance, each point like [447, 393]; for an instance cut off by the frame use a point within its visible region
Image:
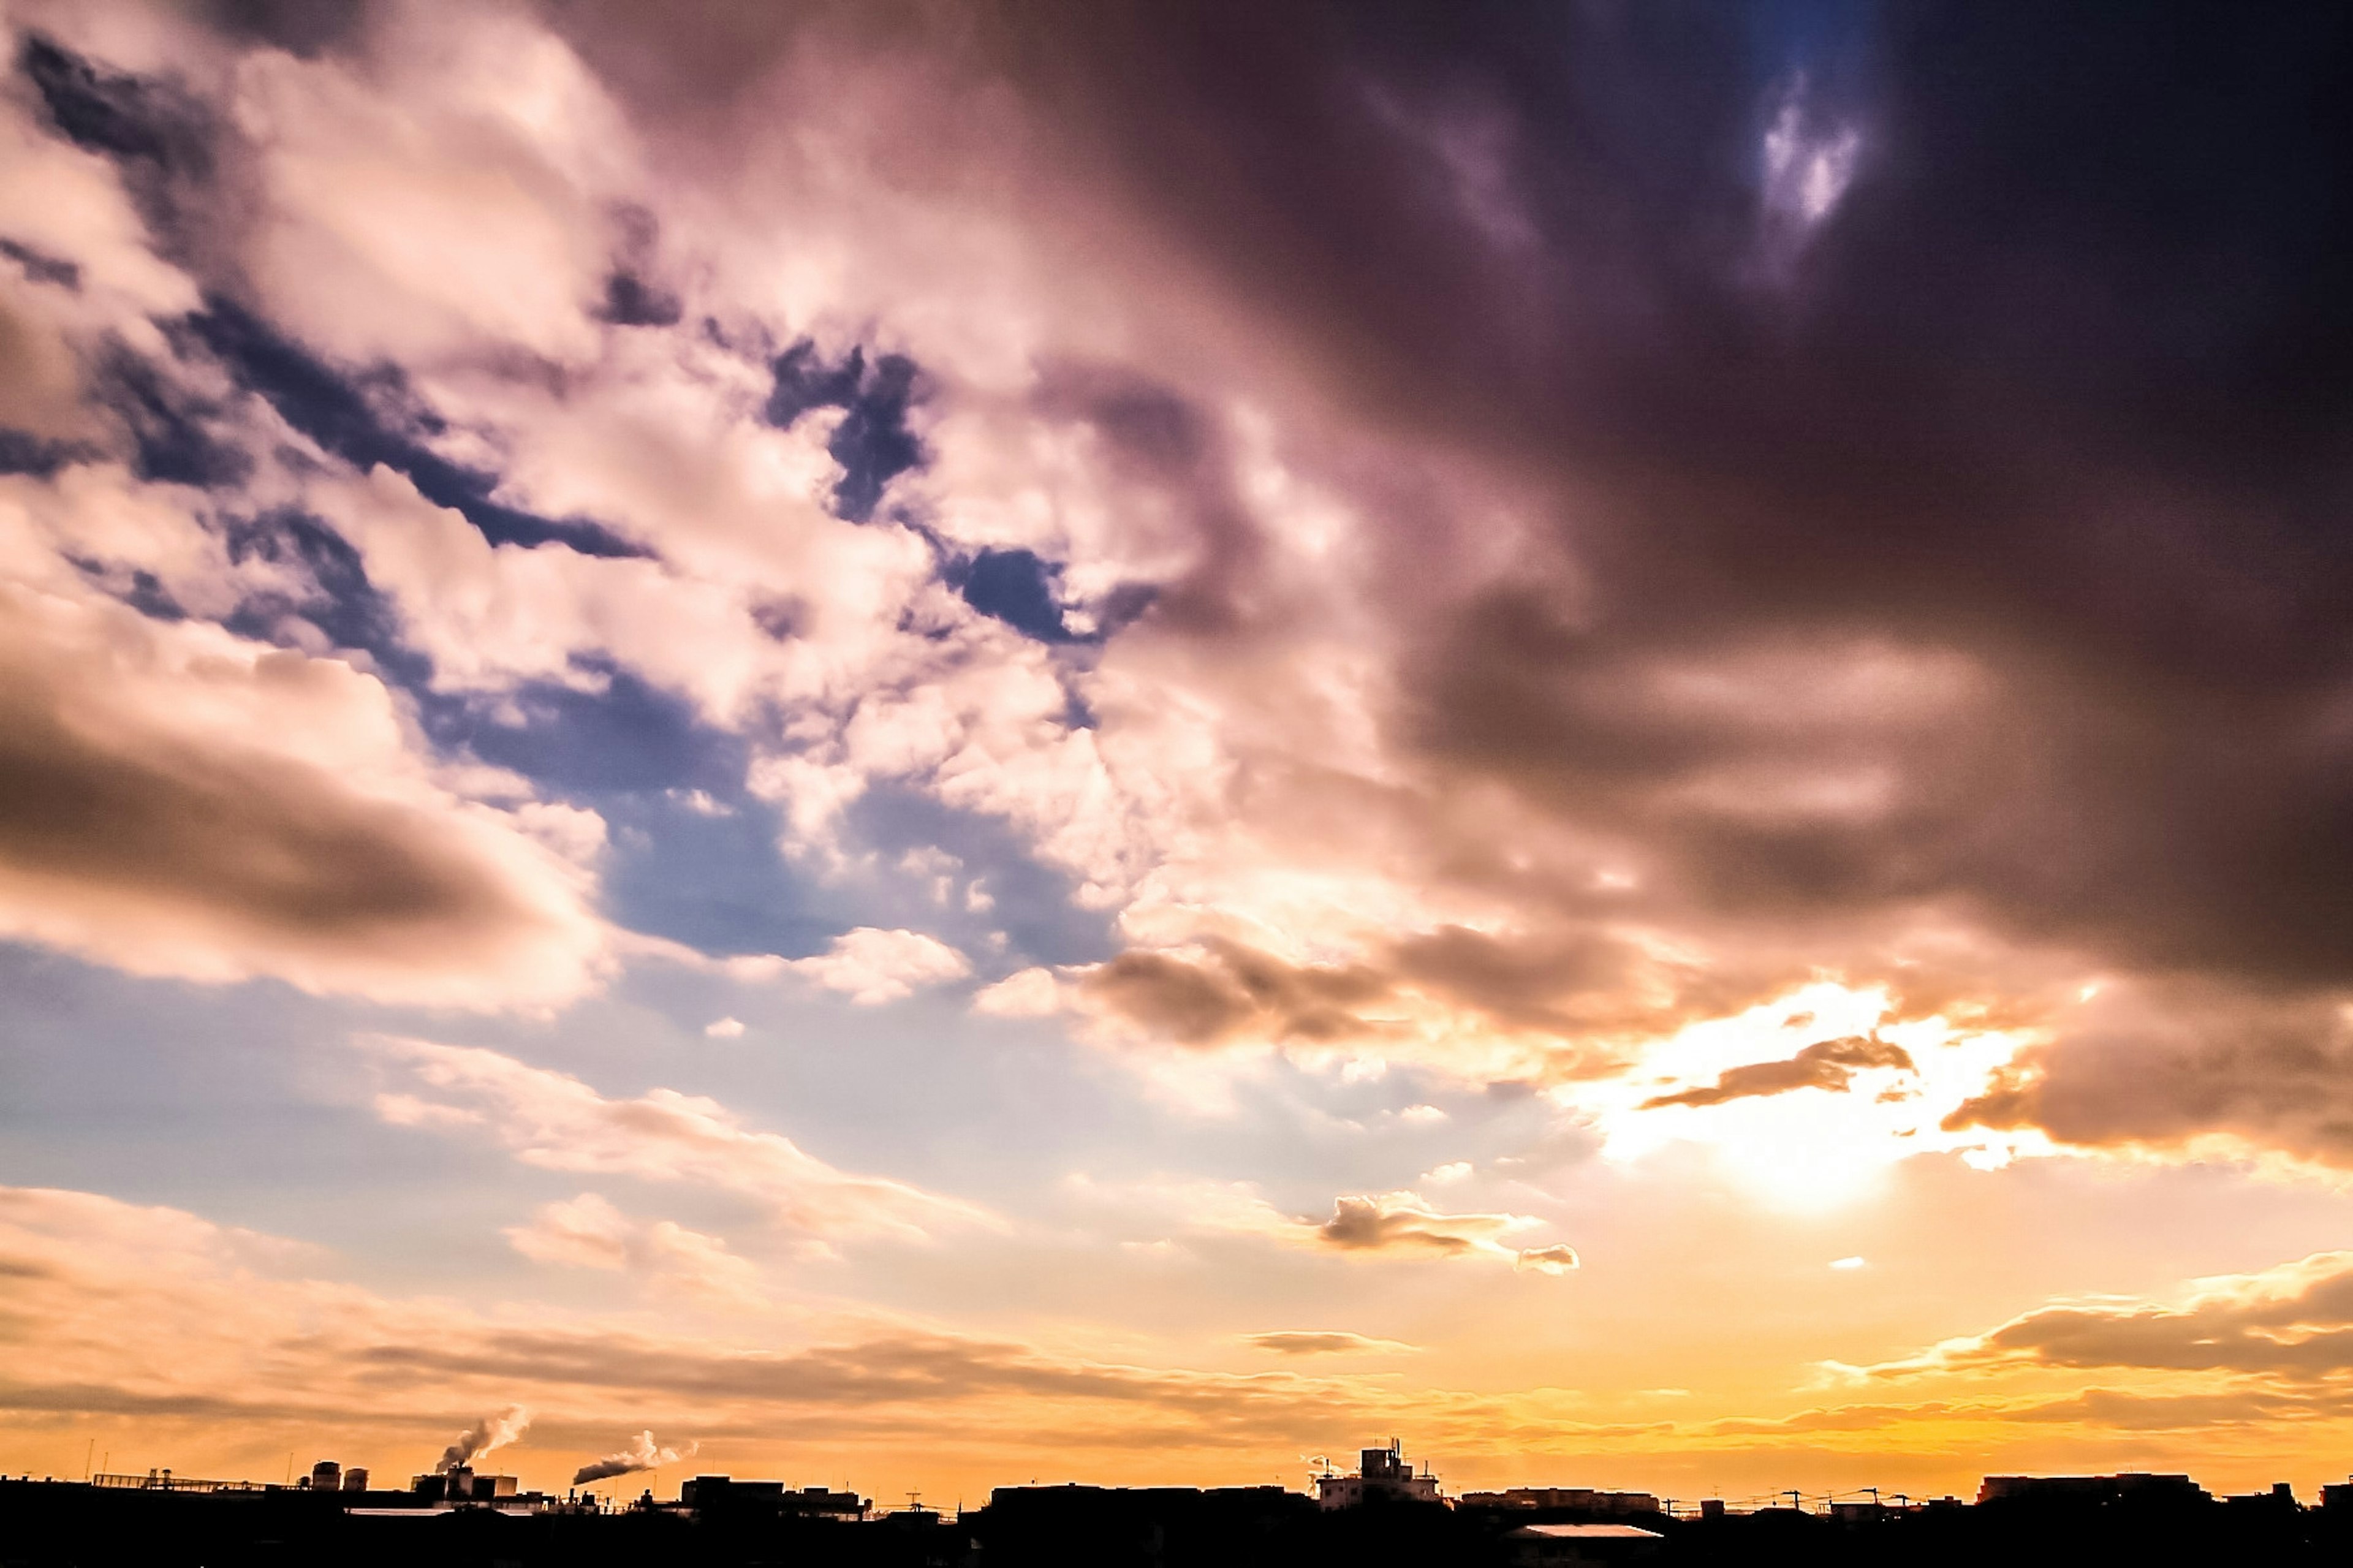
[490, 1432]
[639, 1454]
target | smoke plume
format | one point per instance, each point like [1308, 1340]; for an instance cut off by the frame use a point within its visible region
[488, 1433]
[639, 1454]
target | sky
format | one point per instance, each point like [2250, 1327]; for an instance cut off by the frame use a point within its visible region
[926, 745]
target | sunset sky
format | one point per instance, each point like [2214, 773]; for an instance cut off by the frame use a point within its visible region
[949, 743]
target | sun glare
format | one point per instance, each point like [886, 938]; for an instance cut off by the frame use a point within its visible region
[1805, 1101]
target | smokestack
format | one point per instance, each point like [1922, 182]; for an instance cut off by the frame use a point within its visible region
[638, 1454]
[490, 1432]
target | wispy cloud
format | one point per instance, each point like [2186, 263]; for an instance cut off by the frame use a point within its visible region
[556, 1121]
[589, 1232]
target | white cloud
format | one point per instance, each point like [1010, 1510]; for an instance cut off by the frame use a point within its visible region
[724, 1028]
[1028, 994]
[872, 966]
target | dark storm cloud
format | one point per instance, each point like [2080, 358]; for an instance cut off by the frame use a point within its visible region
[2043, 415]
[2164, 1066]
[1236, 992]
[1936, 418]
[1232, 992]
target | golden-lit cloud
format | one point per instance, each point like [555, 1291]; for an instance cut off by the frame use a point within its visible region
[1323, 1341]
[1825, 1064]
[1402, 1222]
[2292, 1324]
[1395, 1224]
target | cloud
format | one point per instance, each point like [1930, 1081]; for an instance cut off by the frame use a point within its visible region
[1233, 992]
[2292, 1323]
[723, 1029]
[872, 966]
[1387, 1223]
[1828, 1064]
[1420, 587]
[1323, 1341]
[1401, 1221]
[241, 1336]
[556, 1121]
[2178, 1066]
[588, 1232]
[1027, 994]
[235, 1333]
[182, 801]
[1557, 1259]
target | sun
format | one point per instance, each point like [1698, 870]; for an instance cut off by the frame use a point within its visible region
[1824, 1129]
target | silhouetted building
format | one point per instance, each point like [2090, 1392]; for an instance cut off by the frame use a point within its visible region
[1382, 1475]
[717, 1495]
[2282, 1495]
[720, 1492]
[461, 1484]
[355, 1478]
[1539, 1545]
[2130, 1487]
[823, 1502]
[1578, 1499]
[326, 1476]
[1143, 1527]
